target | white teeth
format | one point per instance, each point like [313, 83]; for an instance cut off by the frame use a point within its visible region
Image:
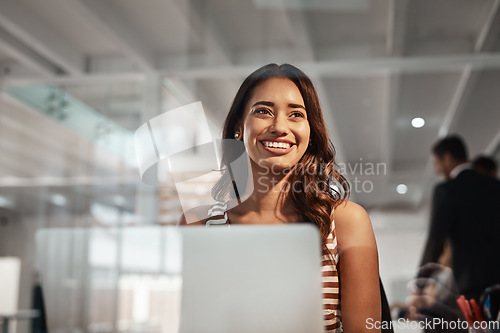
[273, 144]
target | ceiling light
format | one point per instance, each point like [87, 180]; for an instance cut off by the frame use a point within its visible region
[417, 122]
[58, 200]
[402, 189]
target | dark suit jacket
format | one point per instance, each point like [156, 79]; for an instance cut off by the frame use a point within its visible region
[466, 211]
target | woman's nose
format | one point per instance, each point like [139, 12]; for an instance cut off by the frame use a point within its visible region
[279, 125]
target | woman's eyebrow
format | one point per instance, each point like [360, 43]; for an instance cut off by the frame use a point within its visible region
[266, 103]
[263, 103]
[295, 106]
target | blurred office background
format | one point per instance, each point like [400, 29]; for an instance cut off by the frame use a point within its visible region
[78, 77]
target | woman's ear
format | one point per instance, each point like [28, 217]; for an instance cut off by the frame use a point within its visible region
[238, 133]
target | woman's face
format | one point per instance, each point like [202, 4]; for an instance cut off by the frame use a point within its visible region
[275, 128]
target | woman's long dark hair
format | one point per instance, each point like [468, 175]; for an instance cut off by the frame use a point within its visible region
[318, 186]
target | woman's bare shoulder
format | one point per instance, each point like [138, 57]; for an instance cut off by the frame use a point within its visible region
[353, 225]
[349, 210]
[195, 216]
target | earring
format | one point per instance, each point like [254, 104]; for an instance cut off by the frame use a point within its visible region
[310, 143]
[236, 136]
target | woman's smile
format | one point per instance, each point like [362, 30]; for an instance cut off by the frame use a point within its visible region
[278, 147]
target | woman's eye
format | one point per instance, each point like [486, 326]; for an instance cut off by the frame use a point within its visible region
[297, 114]
[262, 111]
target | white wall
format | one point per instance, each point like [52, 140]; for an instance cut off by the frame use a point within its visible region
[400, 238]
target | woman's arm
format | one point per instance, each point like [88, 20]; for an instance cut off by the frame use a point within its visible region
[358, 268]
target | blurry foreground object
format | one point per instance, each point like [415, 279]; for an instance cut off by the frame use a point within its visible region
[490, 303]
[433, 295]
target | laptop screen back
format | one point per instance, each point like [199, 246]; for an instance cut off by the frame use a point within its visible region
[251, 279]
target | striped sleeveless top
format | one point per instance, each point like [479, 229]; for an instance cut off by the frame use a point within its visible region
[330, 277]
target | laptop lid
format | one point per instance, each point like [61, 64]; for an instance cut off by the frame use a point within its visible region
[251, 279]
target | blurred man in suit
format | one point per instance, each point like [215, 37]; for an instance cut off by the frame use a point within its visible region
[485, 165]
[466, 212]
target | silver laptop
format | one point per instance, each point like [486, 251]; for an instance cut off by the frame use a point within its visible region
[191, 279]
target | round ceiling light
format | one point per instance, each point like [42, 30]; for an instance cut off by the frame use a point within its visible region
[417, 122]
[402, 189]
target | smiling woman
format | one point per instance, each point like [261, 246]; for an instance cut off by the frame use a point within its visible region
[277, 116]
[274, 127]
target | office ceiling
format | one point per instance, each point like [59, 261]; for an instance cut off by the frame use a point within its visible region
[376, 65]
